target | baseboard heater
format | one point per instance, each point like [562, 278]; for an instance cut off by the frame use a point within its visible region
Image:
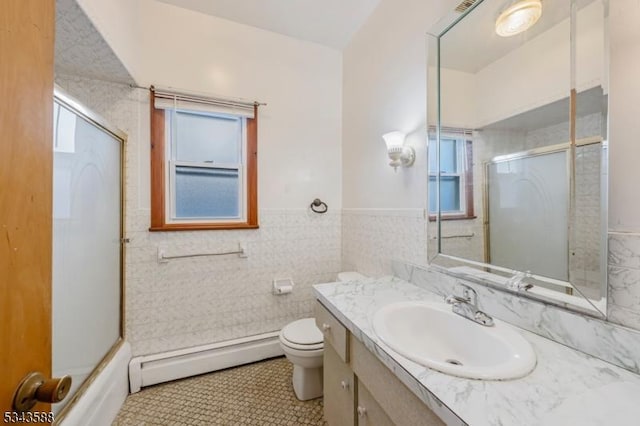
[159, 368]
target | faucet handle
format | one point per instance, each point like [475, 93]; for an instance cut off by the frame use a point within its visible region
[453, 299]
[483, 318]
[468, 294]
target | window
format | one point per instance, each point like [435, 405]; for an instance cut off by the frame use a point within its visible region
[203, 163]
[456, 177]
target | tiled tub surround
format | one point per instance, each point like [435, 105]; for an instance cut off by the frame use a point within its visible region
[602, 339]
[372, 237]
[563, 378]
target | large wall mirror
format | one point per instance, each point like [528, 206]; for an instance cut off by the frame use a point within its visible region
[518, 112]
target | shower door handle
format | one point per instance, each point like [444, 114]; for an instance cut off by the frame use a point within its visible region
[35, 388]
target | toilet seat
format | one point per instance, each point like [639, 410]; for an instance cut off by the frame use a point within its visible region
[302, 335]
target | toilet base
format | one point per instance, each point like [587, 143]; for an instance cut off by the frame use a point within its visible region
[307, 382]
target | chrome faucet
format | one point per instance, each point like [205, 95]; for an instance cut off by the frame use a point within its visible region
[516, 281]
[467, 306]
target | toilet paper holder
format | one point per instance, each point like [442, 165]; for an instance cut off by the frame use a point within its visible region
[282, 286]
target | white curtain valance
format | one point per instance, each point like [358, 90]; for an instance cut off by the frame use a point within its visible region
[168, 100]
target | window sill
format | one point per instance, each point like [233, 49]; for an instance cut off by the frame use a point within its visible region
[170, 227]
[432, 218]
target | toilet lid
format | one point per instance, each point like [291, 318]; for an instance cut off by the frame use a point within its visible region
[303, 332]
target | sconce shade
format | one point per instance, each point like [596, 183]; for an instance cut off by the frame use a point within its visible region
[394, 139]
[400, 155]
[518, 17]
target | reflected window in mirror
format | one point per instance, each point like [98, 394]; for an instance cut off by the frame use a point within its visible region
[456, 176]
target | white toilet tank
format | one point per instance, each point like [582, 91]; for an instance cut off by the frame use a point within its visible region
[350, 276]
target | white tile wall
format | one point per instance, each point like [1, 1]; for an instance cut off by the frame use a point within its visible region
[80, 49]
[194, 301]
[371, 238]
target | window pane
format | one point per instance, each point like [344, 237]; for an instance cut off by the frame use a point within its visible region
[433, 165]
[449, 194]
[206, 193]
[448, 156]
[432, 195]
[207, 138]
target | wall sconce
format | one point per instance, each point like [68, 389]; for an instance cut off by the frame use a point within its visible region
[399, 154]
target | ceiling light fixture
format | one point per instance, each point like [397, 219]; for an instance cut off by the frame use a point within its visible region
[518, 17]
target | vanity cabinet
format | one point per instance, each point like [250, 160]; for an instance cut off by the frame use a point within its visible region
[339, 386]
[358, 388]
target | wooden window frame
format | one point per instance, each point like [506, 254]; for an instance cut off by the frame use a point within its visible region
[468, 188]
[159, 184]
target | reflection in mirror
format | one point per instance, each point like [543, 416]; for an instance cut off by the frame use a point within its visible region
[517, 182]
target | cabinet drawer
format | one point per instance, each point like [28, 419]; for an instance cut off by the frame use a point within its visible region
[369, 412]
[400, 404]
[338, 383]
[335, 334]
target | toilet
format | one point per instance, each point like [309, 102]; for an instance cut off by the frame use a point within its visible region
[302, 343]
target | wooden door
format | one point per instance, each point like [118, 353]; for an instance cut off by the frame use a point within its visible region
[26, 102]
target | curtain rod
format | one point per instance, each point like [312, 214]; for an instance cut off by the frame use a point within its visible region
[199, 98]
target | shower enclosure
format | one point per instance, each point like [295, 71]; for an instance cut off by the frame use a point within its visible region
[528, 209]
[88, 249]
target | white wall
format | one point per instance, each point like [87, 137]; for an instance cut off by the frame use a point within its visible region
[117, 22]
[197, 301]
[299, 129]
[384, 89]
[624, 173]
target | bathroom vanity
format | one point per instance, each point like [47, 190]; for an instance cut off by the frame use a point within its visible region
[367, 383]
[358, 388]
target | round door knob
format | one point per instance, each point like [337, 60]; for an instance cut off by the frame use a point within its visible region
[344, 384]
[361, 411]
[326, 327]
[35, 388]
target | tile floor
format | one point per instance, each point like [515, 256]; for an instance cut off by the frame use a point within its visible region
[254, 394]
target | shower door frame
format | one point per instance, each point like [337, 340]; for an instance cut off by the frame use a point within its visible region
[64, 99]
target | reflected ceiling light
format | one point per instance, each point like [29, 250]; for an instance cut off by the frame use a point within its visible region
[518, 17]
[399, 153]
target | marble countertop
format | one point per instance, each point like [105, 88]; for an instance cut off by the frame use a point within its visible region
[567, 387]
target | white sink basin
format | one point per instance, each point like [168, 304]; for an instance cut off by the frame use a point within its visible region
[432, 335]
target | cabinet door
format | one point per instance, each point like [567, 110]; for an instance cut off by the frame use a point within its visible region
[393, 396]
[369, 411]
[338, 389]
[335, 334]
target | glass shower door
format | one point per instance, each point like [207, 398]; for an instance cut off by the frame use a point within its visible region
[87, 254]
[528, 213]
